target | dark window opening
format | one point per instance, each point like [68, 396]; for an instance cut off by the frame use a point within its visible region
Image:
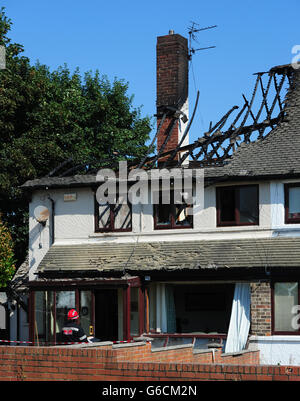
[172, 215]
[238, 205]
[106, 315]
[203, 309]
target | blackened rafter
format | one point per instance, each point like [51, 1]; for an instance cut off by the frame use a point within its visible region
[218, 144]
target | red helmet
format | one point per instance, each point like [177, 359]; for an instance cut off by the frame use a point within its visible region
[72, 314]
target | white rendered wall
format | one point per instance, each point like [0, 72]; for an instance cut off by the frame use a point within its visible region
[74, 221]
[277, 350]
[278, 211]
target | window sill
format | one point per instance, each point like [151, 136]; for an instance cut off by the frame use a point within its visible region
[276, 337]
[237, 224]
[140, 234]
[171, 231]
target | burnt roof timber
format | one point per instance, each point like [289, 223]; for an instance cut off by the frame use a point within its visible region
[213, 141]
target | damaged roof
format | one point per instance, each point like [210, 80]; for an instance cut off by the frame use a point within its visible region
[172, 256]
[273, 155]
[276, 154]
[75, 181]
[21, 276]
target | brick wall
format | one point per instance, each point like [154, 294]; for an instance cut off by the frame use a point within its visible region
[164, 132]
[181, 354]
[171, 83]
[171, 70]
[132, 363]
[260, 309]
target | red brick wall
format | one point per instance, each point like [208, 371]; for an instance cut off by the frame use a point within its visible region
[143, 353]
[164, 131]
[171, 83]
[171, 70]
[130, 364]
[261, 309]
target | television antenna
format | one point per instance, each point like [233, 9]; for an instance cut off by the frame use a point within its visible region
[193, 29]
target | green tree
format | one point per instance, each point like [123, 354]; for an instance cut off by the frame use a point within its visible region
[47, 117]
[7, 261]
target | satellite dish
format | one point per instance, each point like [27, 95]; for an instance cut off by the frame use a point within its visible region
[41, 213]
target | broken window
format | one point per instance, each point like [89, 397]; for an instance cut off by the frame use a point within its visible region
[188, 308]
[174, 214]
[204, 308]
[292, 203]
[237, 205]
[113, 217]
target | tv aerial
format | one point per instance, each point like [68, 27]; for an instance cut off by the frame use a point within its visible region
[193, 29]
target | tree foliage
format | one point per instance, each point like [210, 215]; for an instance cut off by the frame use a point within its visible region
[7, 261]
[47, 117]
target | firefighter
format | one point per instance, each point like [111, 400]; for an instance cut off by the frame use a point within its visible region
[72, 331]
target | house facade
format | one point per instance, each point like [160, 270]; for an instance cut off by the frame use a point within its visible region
[223, 268]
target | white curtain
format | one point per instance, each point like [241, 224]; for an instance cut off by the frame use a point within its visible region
[161, 308]
[240, 319]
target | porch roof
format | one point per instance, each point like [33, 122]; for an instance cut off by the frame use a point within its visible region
[172, 256]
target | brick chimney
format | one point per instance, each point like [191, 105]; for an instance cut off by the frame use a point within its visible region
[172, 88]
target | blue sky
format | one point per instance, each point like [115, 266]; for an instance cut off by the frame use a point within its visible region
[119, 39]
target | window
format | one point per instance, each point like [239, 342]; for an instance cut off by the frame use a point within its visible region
[50, 310]
[285, 307]
[172, 215]
[64, 301]
[44, 317]
[237, 206]
[200, 309]
[292, 203]
[134, 311]
[115, 217]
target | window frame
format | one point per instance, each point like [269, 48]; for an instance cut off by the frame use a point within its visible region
[112, 219]
[280, 332]
[93, 287]
[237, 221]
[52, 334]
[172, 212]
[287, 219]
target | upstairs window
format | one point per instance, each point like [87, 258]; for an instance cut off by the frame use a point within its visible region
[292, 203]
[172, 215]
[113, 217]
[237, 205]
